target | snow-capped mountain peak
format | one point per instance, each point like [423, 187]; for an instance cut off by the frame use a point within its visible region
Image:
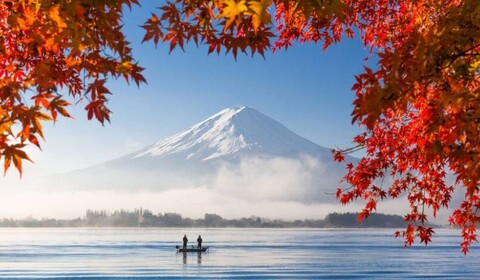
[230, 132]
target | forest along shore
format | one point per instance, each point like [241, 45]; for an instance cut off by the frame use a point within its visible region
[145, 218]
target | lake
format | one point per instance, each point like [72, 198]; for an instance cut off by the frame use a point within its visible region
[144, 253]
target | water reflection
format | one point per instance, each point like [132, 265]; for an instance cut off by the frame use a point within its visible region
[199, 257]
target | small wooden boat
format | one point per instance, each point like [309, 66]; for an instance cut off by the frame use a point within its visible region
[191, 249]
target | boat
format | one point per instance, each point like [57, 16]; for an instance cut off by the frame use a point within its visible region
[191, 249]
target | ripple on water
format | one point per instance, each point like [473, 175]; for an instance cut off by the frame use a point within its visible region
[234, 254]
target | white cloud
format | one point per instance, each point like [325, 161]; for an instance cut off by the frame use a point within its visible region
[268, 187]
[304, 180]
[192, 203]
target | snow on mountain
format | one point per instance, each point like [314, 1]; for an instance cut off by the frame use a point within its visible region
[231, 132]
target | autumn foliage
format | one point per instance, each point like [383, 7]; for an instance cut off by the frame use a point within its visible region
[419, 107]
[53, 53]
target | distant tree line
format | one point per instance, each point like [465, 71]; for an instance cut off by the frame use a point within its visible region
[145, 218]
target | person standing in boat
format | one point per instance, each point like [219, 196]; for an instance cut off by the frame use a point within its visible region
[185, 240]
[199, 240]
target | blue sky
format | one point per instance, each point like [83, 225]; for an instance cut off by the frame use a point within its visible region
[304, 88]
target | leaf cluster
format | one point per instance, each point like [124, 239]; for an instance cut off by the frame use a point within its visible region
[420, 109]
[53, 53]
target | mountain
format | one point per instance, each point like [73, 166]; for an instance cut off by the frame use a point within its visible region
[230, 133]
[239, 151]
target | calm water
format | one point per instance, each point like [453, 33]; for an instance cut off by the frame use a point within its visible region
[234, 254]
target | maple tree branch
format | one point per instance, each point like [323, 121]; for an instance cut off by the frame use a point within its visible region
[461, 53]
[352, 149]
